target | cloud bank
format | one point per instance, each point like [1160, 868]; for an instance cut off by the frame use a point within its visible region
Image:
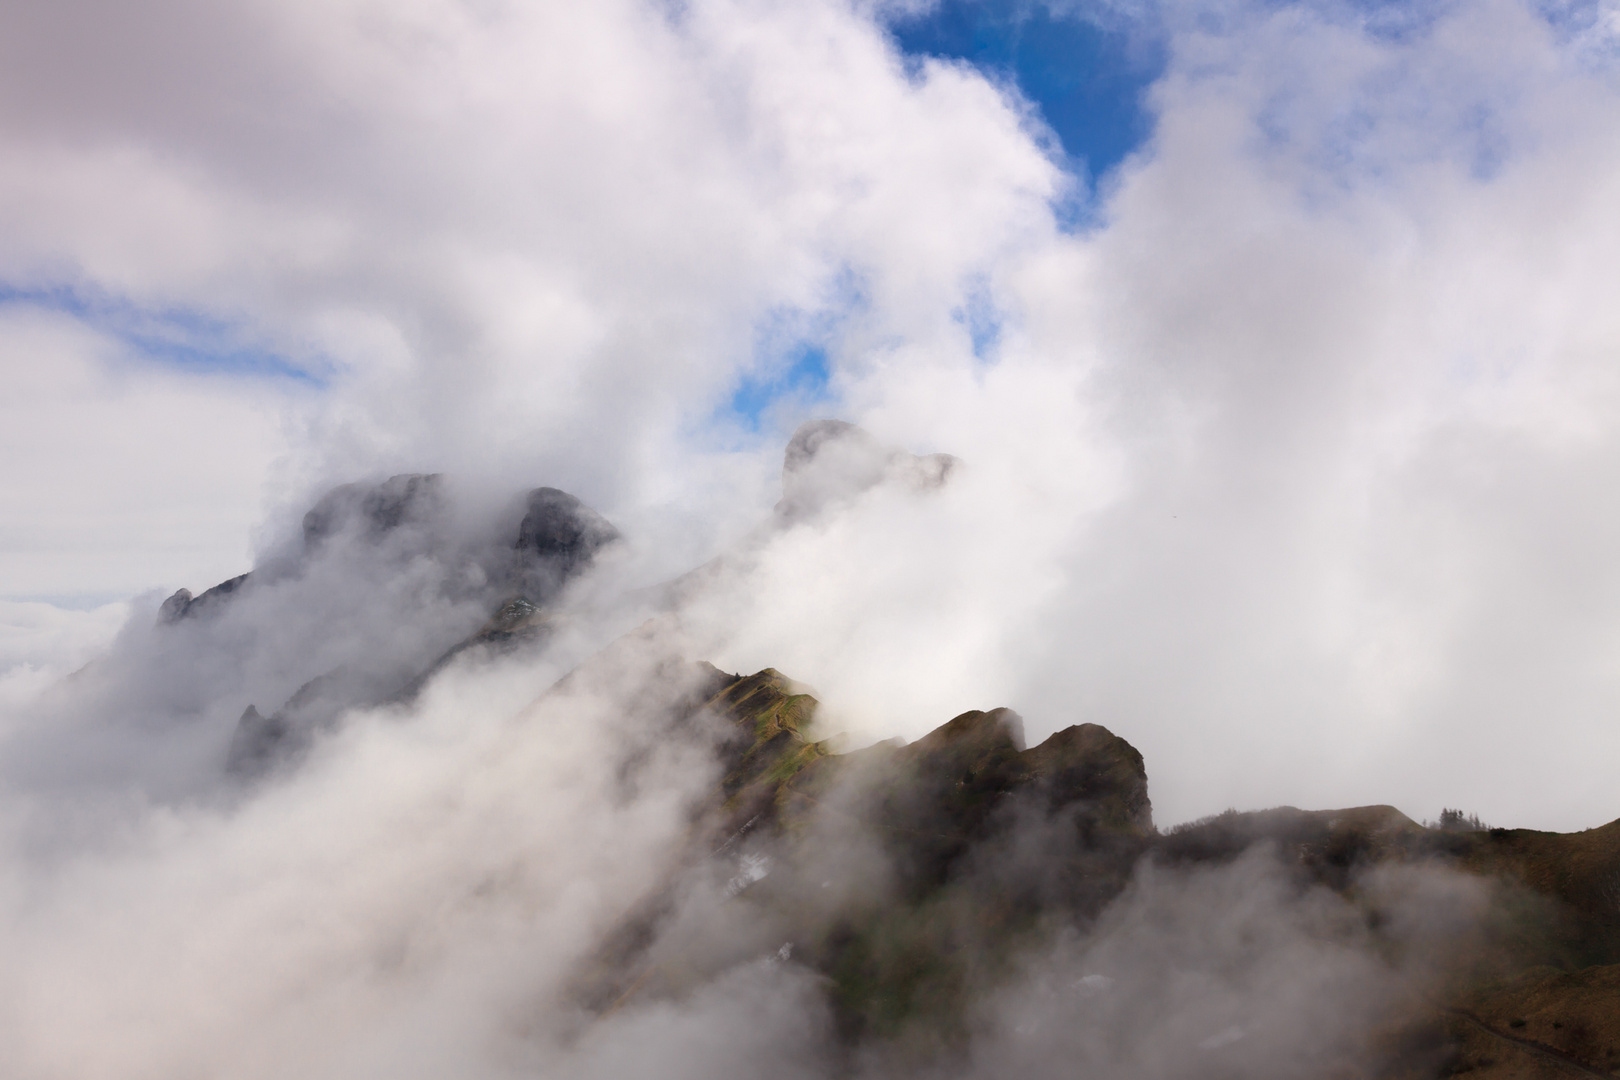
[1290, 462]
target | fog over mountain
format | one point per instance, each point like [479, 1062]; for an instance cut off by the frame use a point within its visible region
[484, 812]
[419, 418]
[1291, 453]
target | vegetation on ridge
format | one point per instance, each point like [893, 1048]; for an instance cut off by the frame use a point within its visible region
[912, 878]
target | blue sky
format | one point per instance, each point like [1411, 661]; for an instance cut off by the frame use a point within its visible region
[1086, 79]
[1087, 82]
[183, 338]
[805, 378]
[1217, 427]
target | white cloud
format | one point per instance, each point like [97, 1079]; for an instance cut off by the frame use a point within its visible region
[40, 643]
[1371, 421]
[121, 474]
[1294, 469]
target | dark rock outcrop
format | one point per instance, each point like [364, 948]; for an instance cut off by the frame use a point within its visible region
[1089, 766]
[374, 509]
[257, 743]
[377, 508]
[975, 848]
[517, 567]
[260, 744]
[903, 947]
[558, 537]
[182, 605]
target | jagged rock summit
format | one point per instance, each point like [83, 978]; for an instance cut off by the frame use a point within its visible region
[775, 836]
[406, 540]
[182, 604]
[971, 849]
[910, 880]
[363, 538]
[827, 462]
[375, 509]
[556, 539]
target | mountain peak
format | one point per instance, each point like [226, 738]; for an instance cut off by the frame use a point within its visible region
[829, 461]
[376, 508]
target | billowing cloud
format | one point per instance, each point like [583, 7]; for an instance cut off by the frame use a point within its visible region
[1298, 450]
[1292, 463]
[123, 475]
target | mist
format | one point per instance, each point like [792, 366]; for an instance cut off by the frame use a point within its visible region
[431, 883]
[1284, 448]
[1289, 457]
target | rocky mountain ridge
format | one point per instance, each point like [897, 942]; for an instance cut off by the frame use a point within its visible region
[557, 539]
[913, 880]
[515, 570]
[1529, 992]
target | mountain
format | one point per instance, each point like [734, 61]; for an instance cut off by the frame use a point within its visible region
[513, 569]
[961, 899]
[980, 850]
[522, 567]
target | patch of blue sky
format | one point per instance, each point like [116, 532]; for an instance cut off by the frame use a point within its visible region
[1086, 69]
[800, 380]
[1398, 20]
[182, 338]
[790, 372]
[1086, 64]
[980, 317]
[1590, 22]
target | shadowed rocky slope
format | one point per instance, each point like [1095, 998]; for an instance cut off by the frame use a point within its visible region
[515, 571]
[519, 570]
[913, 877]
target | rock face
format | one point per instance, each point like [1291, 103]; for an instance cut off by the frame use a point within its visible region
[831, 461]
[558, 537]
[940, 909]
[371, 555]
[258, 743]
[410, 498]
[370, 511]
[412, 516]
[183, 605]
[910, 877]
[1089, 766]
[374, 532]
